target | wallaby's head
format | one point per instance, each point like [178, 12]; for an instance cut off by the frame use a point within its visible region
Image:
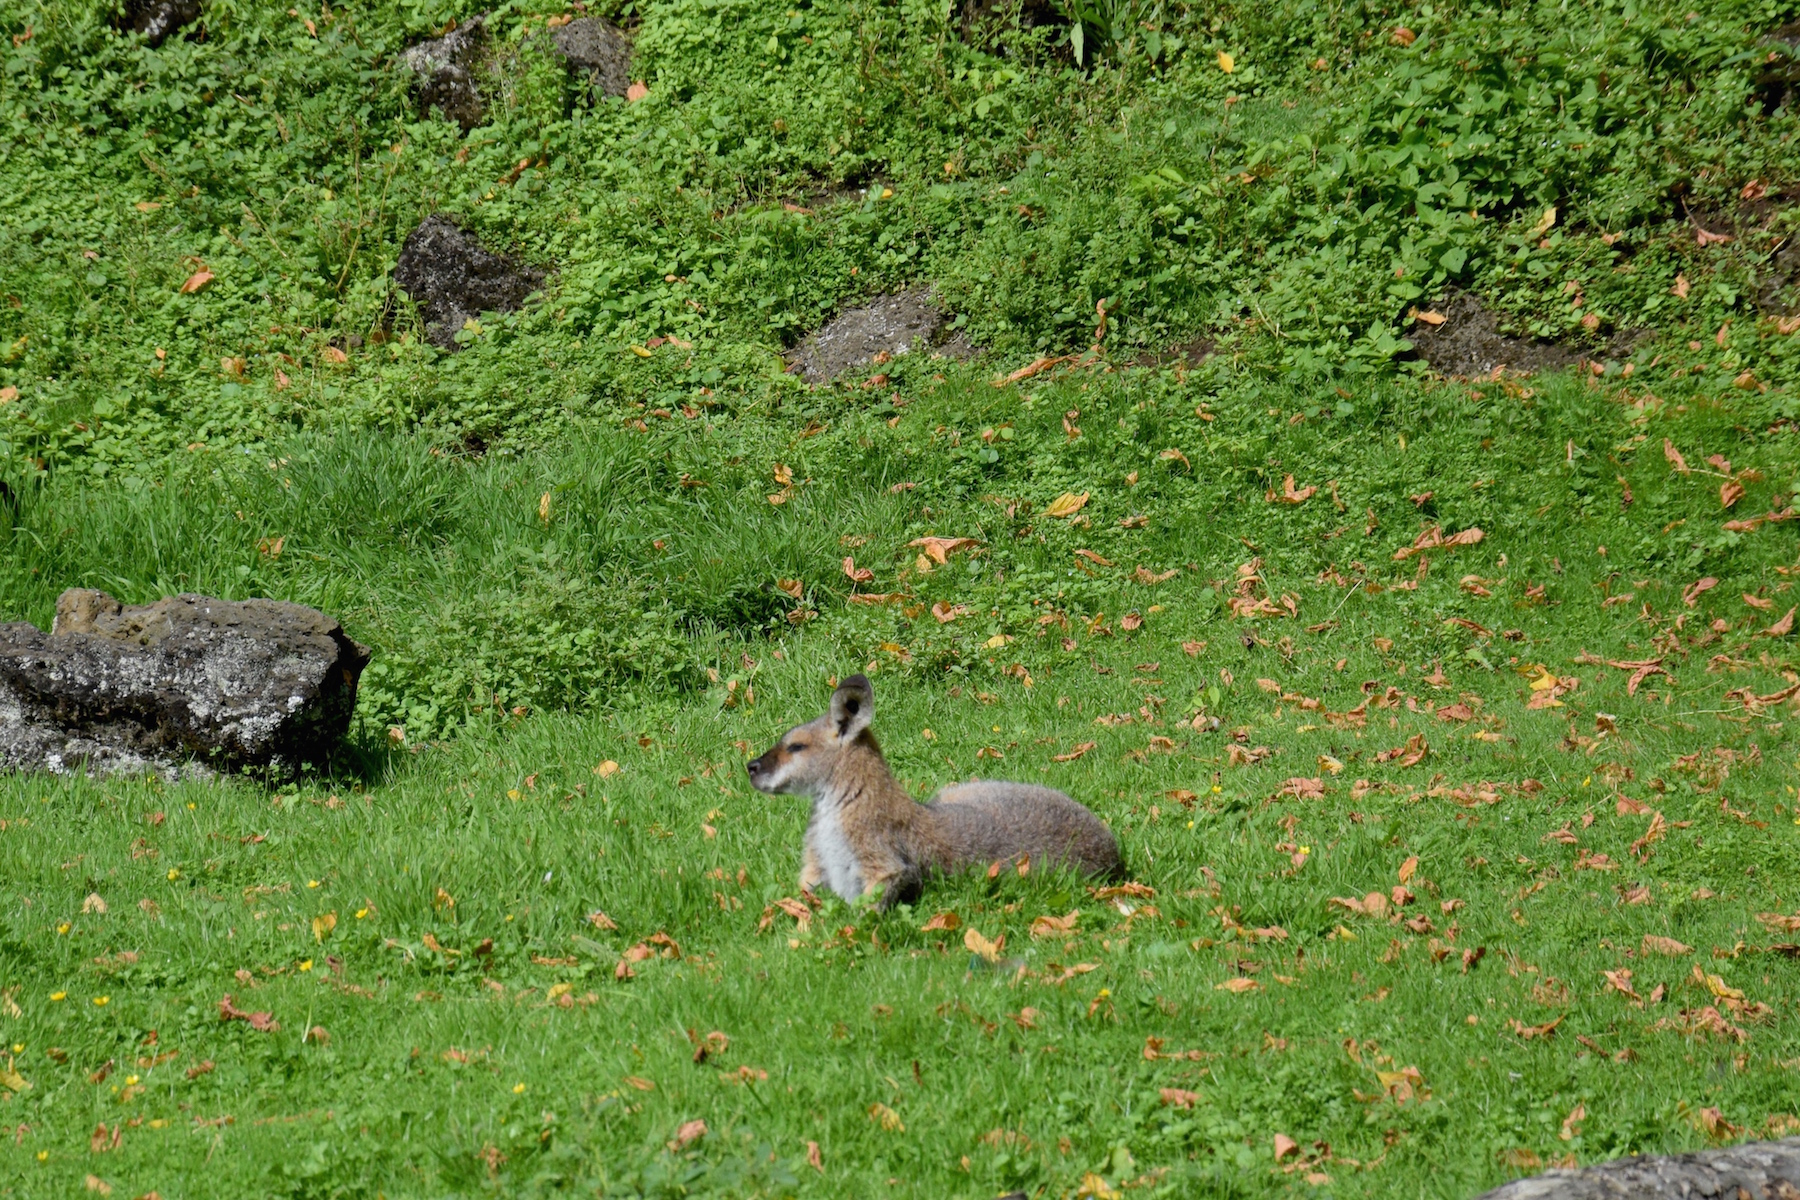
[804, 758]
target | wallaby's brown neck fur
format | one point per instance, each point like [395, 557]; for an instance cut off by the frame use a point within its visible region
[862, 780]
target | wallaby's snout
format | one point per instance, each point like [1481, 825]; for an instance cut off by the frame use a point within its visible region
[775, 770]
[803, 757]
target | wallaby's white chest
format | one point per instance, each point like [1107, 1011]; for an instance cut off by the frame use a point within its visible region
[843, 874]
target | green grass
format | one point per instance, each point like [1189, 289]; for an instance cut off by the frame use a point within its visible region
[565, 553]
[509, 819]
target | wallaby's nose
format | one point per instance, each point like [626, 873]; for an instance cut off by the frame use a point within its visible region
[754, 767]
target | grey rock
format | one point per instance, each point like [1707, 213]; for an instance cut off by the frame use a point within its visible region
[157, 19]
[189, 685]
[451, 276]
[444, 72]
[598, 50]
[904, 323]
[1752, 1171]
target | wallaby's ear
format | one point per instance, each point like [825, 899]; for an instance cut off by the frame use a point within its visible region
[852, 707]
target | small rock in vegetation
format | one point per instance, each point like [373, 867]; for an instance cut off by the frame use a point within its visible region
[157, 19]
[188, 685]
[598, 50]
[445, 72]
[904, 323]
[1763, 1170]
[1190, 353]
[1468, 342]
[453, 277]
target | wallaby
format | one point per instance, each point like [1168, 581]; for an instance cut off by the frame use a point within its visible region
[868, 836]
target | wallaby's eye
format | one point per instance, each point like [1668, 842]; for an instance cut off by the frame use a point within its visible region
[795, 747]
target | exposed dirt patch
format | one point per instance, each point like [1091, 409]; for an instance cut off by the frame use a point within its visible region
[905, 323]
[1469, 342]
[453, 277]
[444, 72]
[983, 20]
[157, 19]
[1763, 220]
[1778, 284]
[598, 50]
[1779, 79]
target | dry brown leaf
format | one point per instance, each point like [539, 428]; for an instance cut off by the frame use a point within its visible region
[1691, 594]
[1409, 755]
[1571, 1124]
[1713, 1124]
[1304, 788]
[262, 1022]
[939, 549]
[689, 1133]
[887, 1118]
[1291, 495]
[1528, 1032]
[1049, 926]
[1620, 981]
[1030, 369]
[977, 944]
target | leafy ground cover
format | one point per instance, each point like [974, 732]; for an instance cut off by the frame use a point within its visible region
[1444, 724]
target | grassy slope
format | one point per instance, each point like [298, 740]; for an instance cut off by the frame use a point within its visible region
[605, 615]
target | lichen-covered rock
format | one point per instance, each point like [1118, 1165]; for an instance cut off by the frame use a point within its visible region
[1754, 1170]
[904, 323]
[188, 685]
[157, 19]
[598, 50]
[444, 72]
[452, 277]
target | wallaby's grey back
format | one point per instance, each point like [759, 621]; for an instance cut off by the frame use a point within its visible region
[995, 820]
